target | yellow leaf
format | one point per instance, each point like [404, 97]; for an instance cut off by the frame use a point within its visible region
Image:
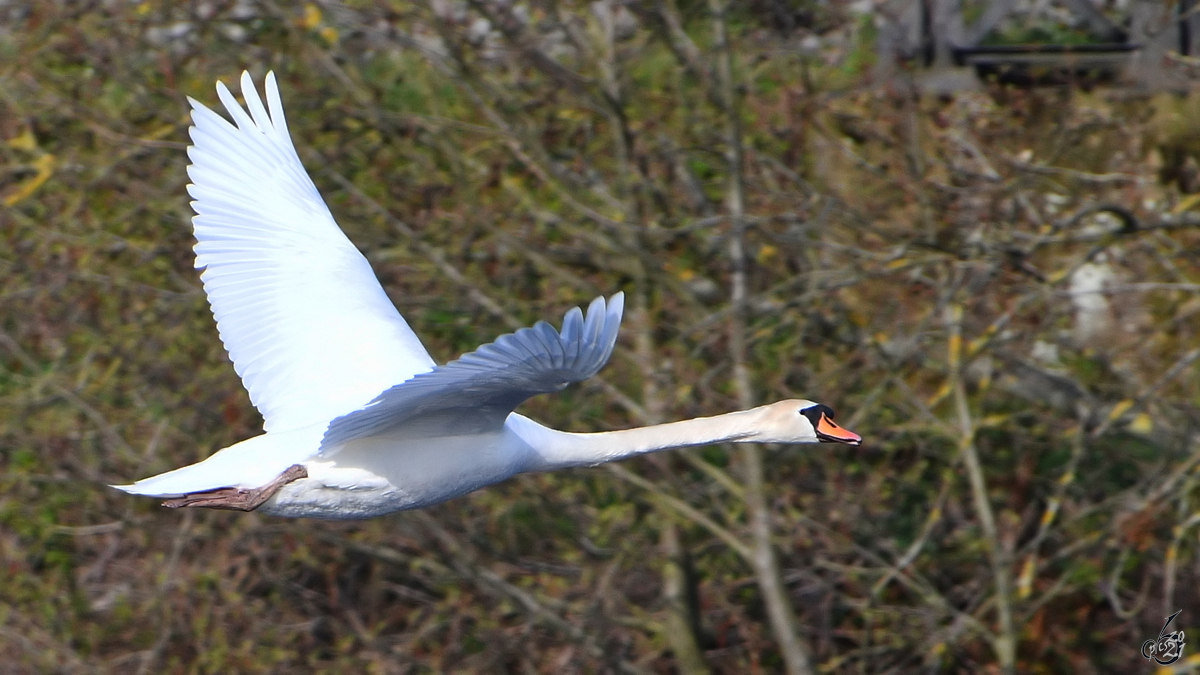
[1025, 580]
[1119, 409]
[985, 382]
[994, 420]
[329, 34]
[954, 346]
[45, 169]
[1055, 277]
[899, 262]
[1050, 513]
[25, 141]
[978, 343]
[312, 17]
[1187, 203]
[766, 253]
[975, 345]
[1142, 424]
[942, 392]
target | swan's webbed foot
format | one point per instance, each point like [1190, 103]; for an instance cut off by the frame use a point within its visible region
[237, 499]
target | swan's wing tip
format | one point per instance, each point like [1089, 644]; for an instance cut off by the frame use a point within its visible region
[141, 491]
[616, 305]
[258, 211]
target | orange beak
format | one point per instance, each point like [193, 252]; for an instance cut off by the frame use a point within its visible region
[828, 431]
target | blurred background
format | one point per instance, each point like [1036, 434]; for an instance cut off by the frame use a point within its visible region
[969, 227]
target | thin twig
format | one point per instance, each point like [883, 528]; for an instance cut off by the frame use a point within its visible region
[466, 564]
[109, 431]
[1005, 642]
[685, 510]
[431, 253]
[796, 654]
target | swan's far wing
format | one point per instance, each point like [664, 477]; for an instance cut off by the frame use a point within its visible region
[481, 388]
[306, 323]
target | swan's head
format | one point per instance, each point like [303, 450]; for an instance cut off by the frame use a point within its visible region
[800, 421]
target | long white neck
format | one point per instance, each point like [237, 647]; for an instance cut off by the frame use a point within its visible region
[553, 449]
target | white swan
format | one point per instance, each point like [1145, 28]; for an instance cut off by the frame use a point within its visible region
[359, 420]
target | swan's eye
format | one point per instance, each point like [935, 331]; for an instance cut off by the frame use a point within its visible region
[814, 413]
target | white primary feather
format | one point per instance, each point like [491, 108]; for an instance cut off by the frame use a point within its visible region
[307, 325]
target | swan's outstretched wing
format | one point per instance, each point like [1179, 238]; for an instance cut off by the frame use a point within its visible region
[309, 329]
[481, 388]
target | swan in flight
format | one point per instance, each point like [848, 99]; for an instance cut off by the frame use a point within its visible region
[359, 419]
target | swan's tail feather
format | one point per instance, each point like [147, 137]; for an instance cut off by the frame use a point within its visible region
[250, 464]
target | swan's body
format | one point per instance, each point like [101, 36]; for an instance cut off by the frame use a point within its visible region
[360, 421]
